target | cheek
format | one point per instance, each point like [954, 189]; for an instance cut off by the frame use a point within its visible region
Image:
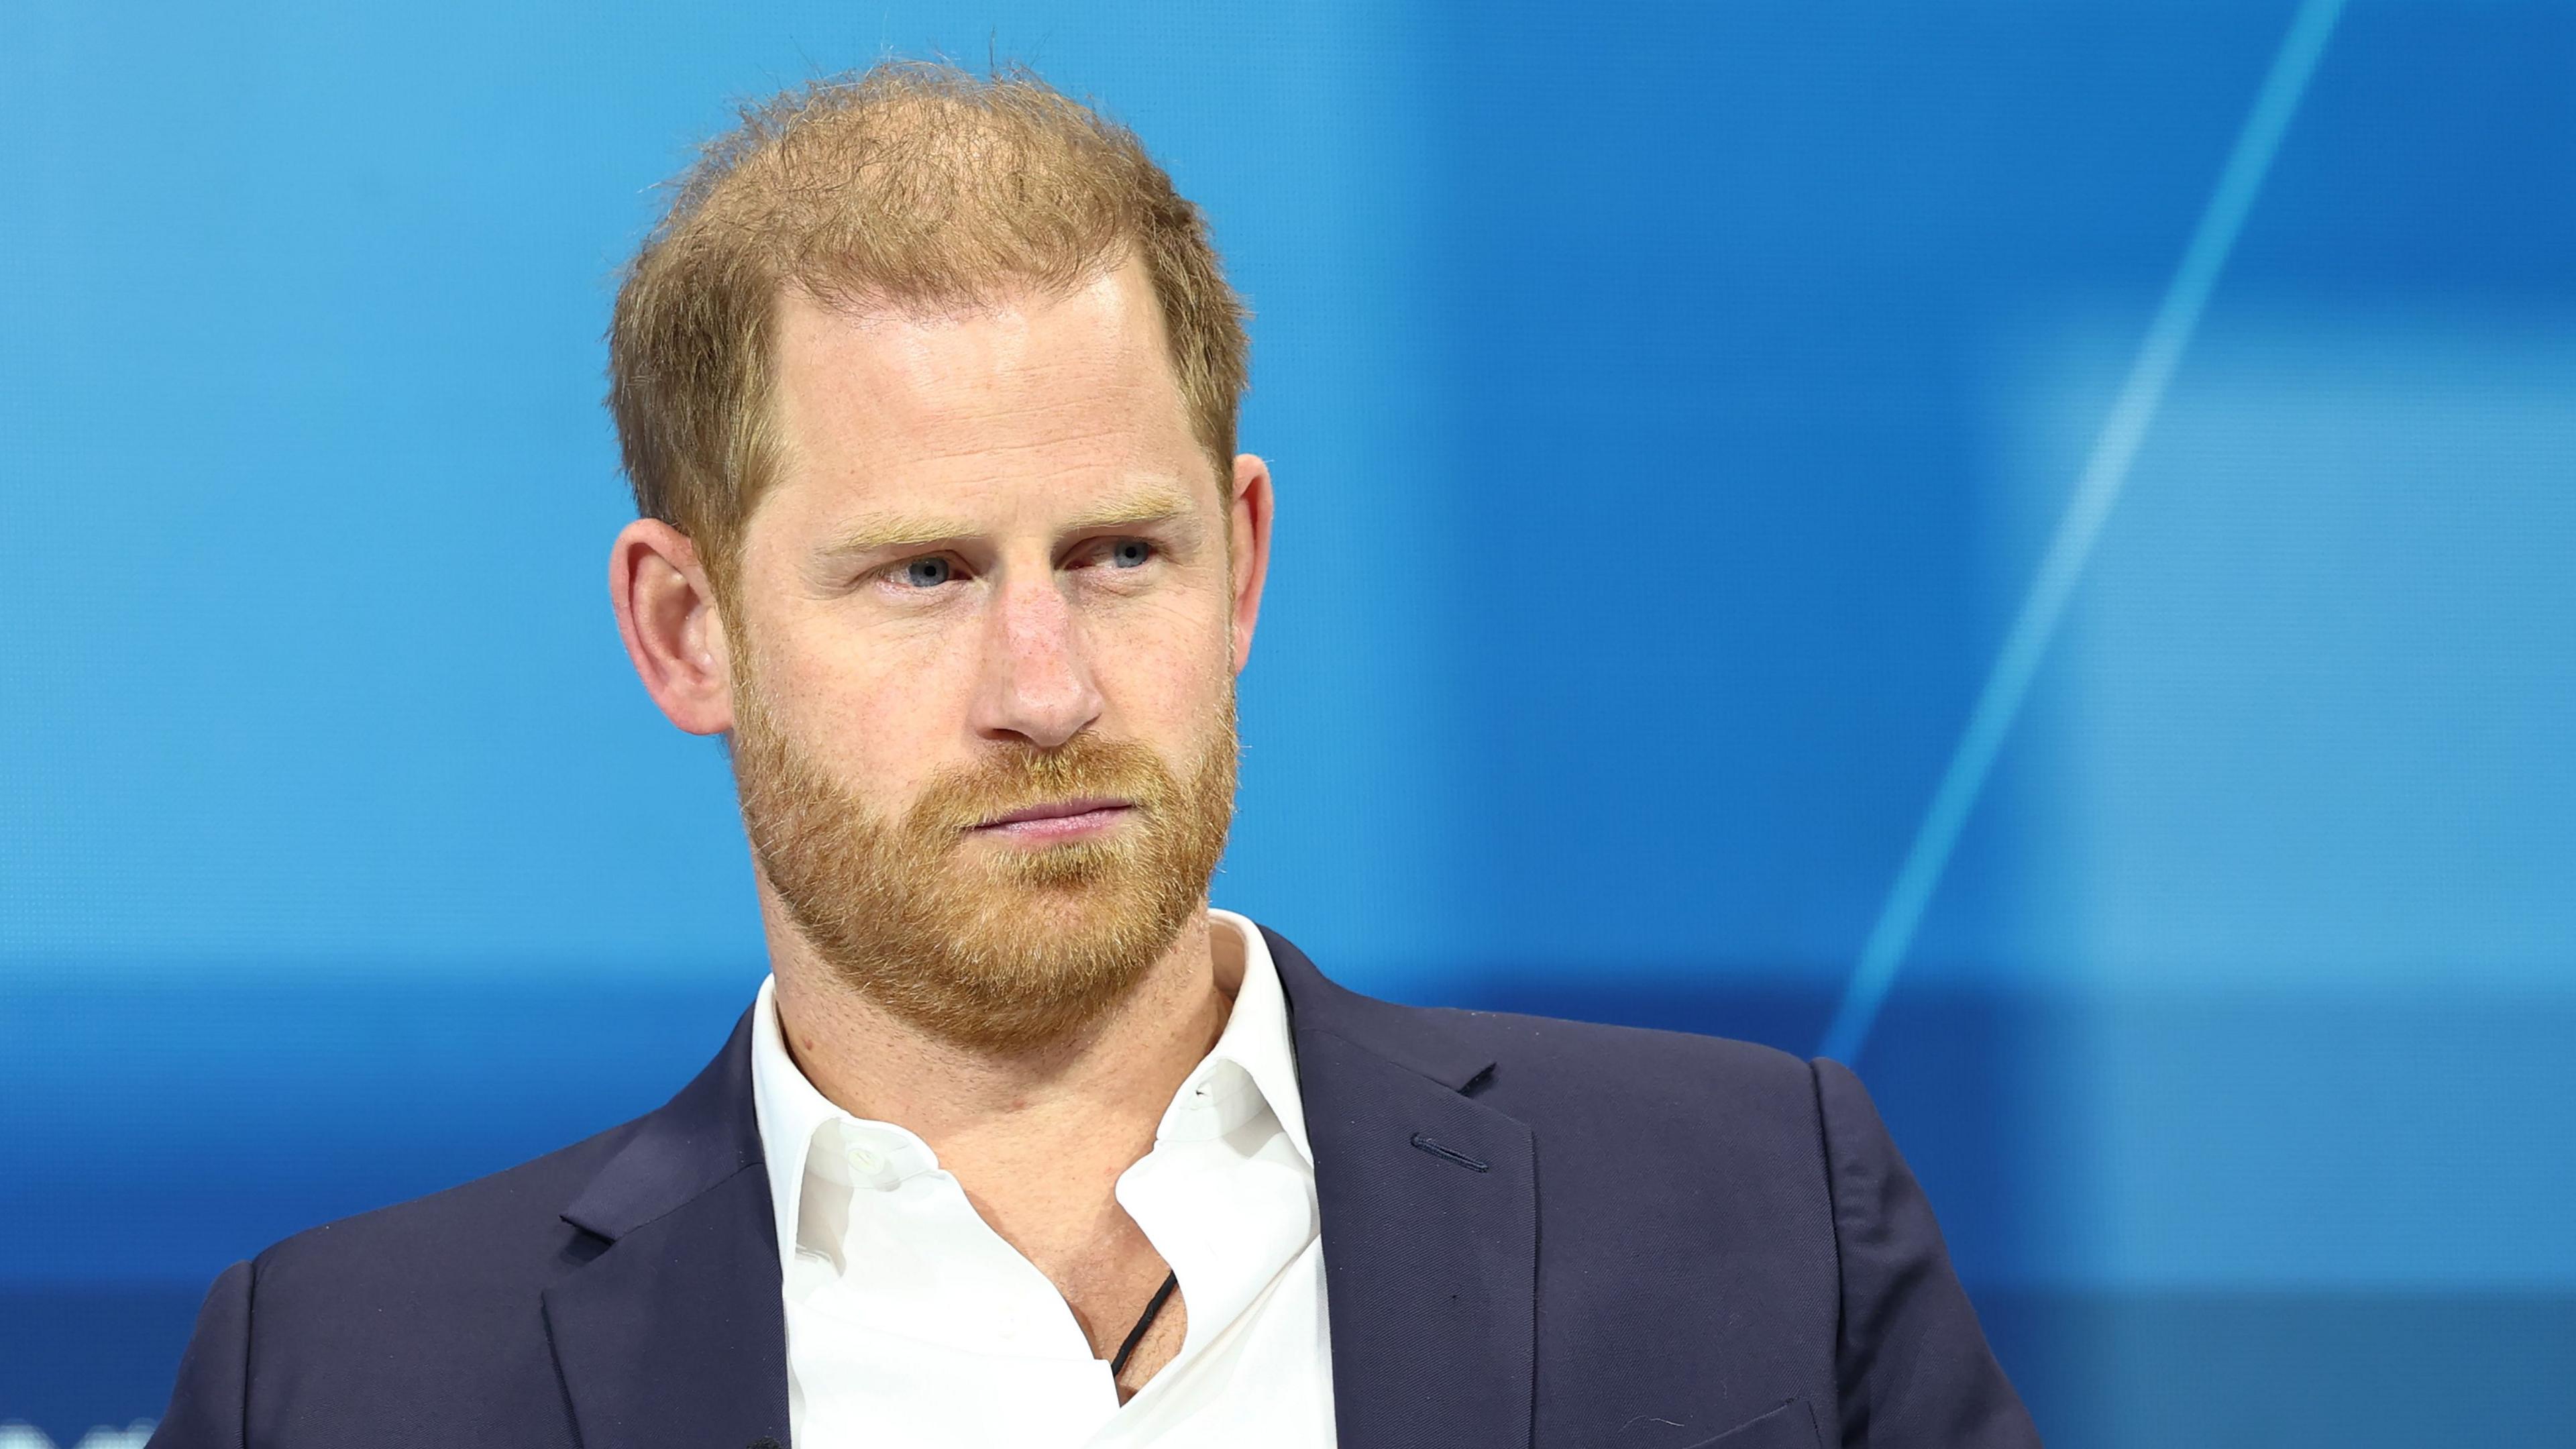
[876, 711]
[1166, 661]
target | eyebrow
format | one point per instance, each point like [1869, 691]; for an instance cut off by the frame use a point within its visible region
[876, 532]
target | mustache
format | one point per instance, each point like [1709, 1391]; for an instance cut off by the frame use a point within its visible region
[1023, 777]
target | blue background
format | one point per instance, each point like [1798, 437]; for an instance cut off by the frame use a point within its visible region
[1671, 408]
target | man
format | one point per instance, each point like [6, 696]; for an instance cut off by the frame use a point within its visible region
[927, 389]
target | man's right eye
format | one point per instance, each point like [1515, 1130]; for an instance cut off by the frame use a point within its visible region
[926, 573]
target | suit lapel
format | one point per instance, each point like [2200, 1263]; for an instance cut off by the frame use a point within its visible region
[674, 1334]
[1430, 1223]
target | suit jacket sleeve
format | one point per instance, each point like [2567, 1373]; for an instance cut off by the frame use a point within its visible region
[206, 1406]
[1914, 1369]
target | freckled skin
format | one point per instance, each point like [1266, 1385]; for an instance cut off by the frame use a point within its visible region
[1007, 428]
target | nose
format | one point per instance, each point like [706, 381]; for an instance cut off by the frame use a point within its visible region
[1036, 683]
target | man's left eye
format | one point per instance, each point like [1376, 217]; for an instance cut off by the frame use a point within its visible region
[1129, 553]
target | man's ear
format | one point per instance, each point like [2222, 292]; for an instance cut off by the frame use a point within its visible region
[1249, 541]
[667, 614]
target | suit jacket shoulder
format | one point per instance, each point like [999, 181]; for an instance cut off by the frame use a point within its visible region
[425, 1322]
[1716, 1230]
[467, 1255]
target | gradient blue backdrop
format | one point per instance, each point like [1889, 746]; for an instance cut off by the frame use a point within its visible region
[1671, 407]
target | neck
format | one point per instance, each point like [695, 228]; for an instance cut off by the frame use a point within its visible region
[1087, 1103]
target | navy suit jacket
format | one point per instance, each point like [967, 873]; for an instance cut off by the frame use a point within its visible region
[1536, 1233]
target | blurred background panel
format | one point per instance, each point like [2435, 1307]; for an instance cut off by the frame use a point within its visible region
[1672, 406]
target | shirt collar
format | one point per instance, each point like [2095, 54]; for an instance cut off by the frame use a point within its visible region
[1252, 1065]
[790, 1112]
[1255, 1040]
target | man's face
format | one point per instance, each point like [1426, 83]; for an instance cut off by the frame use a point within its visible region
[983, 641]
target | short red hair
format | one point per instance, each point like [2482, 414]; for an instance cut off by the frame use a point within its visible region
[911, 187]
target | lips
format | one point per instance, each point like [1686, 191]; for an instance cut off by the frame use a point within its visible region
[1064, 810]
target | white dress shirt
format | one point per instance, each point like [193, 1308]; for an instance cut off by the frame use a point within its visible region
[910, 1322]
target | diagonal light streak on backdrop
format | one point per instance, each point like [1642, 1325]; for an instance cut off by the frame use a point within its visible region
[2106, 471]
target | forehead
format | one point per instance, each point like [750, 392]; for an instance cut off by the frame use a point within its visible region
[1072, 392]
